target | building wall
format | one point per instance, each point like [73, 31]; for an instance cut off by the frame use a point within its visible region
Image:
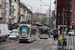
[0, 7]
[7, 11]
[73, 12]
[3, 10]
[22, 14]
[15, 14]
[59, 17]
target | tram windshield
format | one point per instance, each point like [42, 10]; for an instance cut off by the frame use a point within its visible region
[44, 31]
[24, 31]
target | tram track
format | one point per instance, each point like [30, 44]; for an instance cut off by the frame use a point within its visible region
[25, 45]
[13, 44]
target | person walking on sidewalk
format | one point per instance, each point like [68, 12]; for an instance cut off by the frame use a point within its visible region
[54, 36]
[57, 36]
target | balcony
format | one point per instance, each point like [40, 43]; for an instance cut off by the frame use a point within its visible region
[13, 10]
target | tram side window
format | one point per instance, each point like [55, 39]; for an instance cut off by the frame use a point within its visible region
[33, 32]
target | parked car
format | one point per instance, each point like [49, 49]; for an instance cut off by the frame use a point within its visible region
[13, 36]
[71, 32]
[9, 32]
[15, 31]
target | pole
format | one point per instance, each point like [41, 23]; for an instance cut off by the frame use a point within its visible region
[63, 22]
[31, 15]
[66, 24]
[40, 12]
[49, 11]
[63, 27]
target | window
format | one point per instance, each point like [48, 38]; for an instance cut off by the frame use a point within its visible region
[62, 22]
[66, 14]
[58, 14]
[6, 12]
[6, 4]
[12, 6]
[33, 32]
[12, 0]
[65, 22]
[70, 13]
[62, 14]
[58, 22]
[12, 14]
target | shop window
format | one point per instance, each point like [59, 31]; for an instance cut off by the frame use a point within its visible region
[58, 14]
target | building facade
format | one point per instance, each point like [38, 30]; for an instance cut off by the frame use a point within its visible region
[73, 14]
[7, 11]
[15, 11]
[2, 10]
[62, 10]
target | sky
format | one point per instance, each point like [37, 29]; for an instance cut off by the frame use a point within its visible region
[36, 5]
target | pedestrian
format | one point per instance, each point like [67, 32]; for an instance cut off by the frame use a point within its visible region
[54, 36]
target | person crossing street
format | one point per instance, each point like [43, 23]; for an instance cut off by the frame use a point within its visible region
[54, 36]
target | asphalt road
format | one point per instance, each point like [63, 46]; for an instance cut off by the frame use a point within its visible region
[39, 44]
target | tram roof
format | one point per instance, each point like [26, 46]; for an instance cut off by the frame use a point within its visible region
[26, 25]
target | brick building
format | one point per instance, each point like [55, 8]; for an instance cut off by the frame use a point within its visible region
[73, 14]
[59, 5]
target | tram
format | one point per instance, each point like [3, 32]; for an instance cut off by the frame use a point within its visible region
[27, 33]
[44, 32]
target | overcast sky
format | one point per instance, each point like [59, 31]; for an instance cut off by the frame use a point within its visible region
[36, 5]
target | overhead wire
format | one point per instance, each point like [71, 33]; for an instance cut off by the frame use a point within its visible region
[35, 7]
